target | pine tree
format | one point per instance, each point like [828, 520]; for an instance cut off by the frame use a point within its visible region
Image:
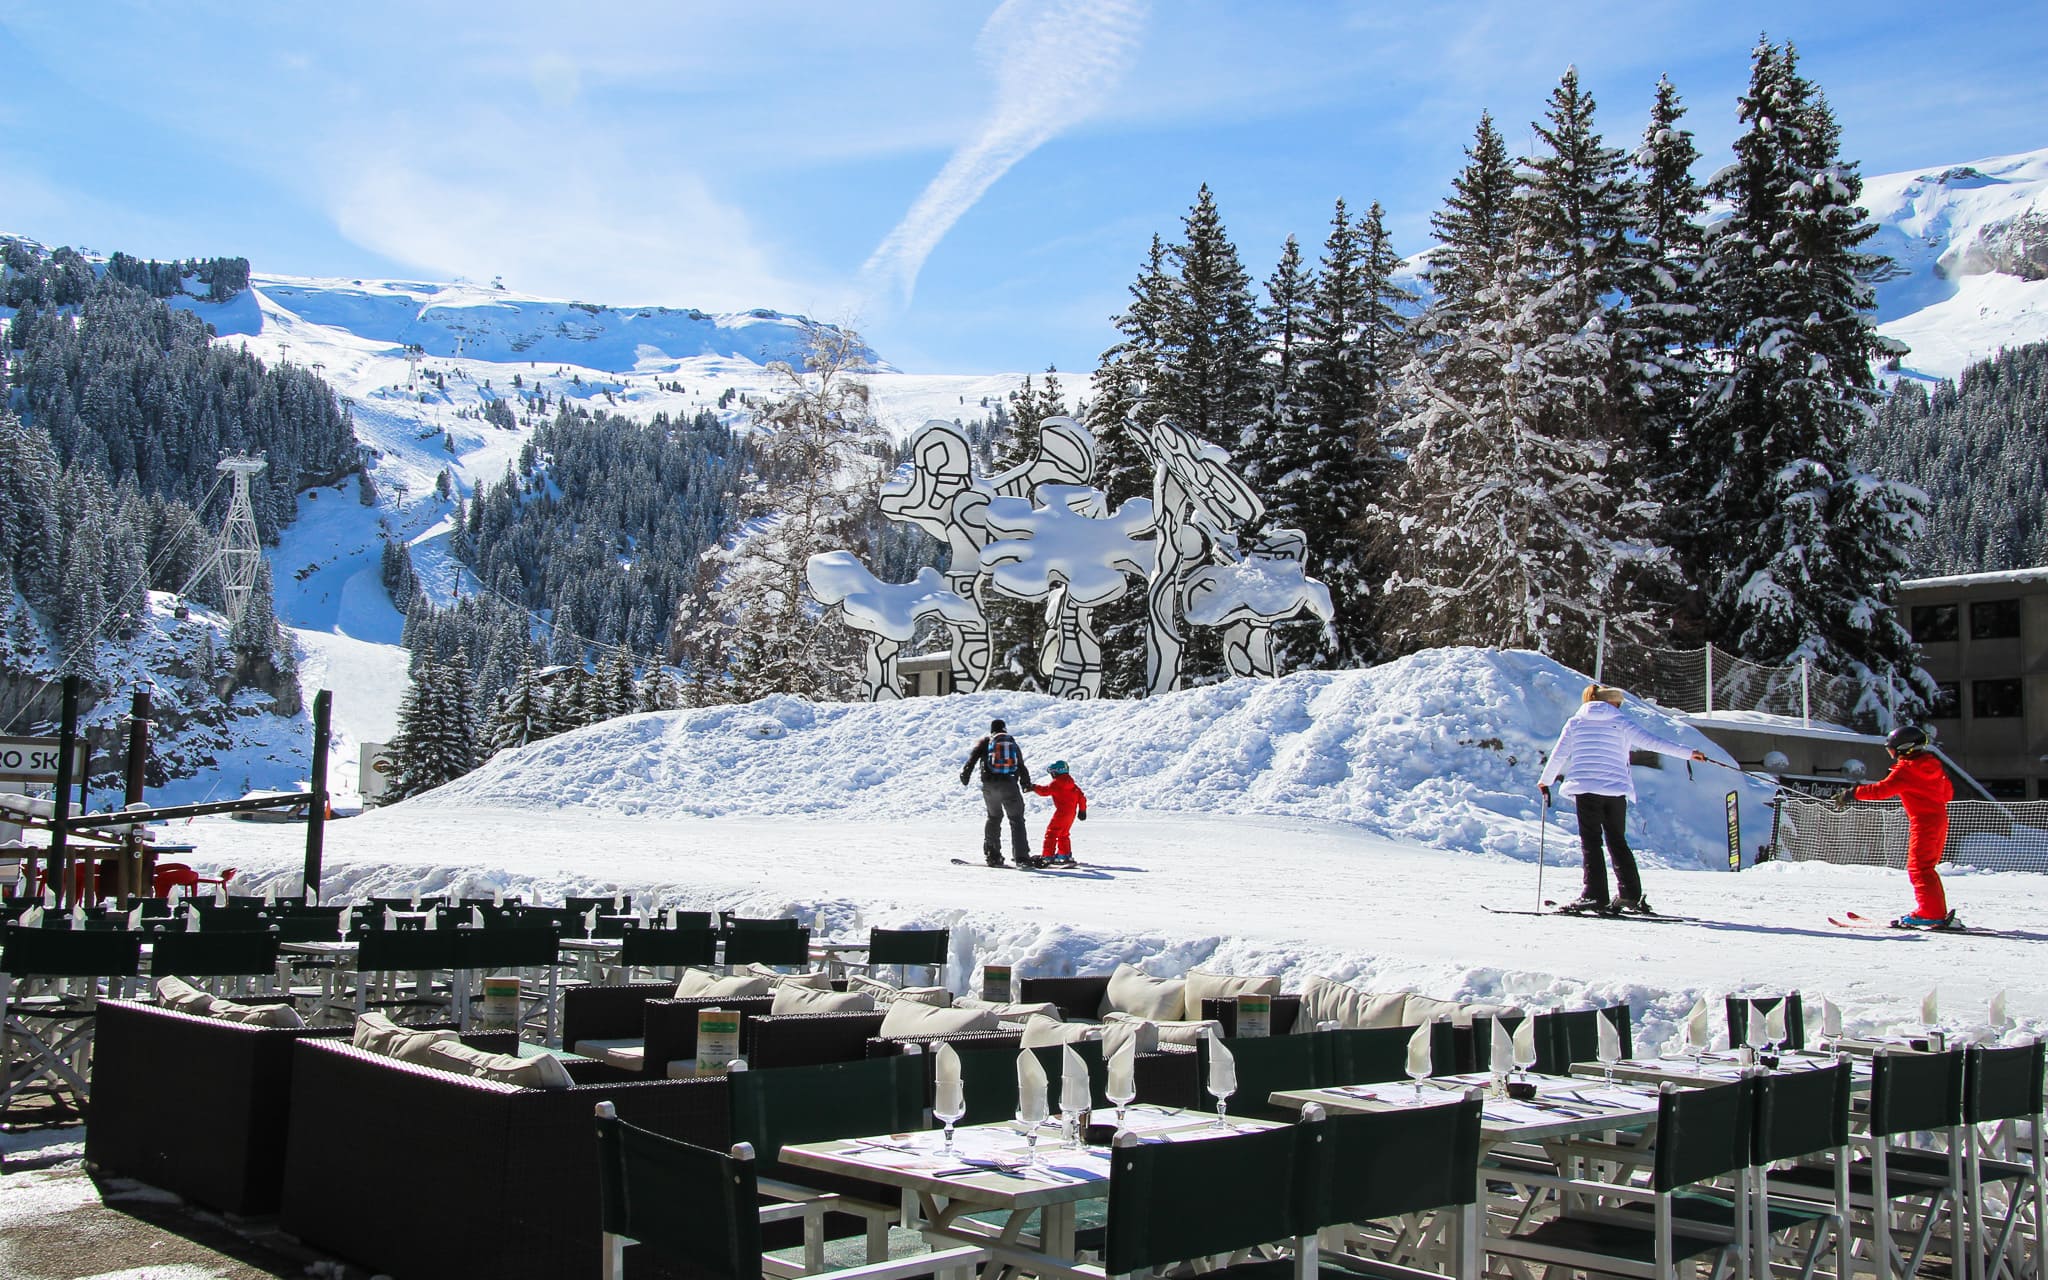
[1208, 375]
[1123, 383]
[1474, 230]
[436, 738]
[1016, 626]
[659, 691]
[1800, 552]
[612, 693]
[1667, 313]
[521, 713]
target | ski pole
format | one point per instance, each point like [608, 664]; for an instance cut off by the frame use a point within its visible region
[1542, 838]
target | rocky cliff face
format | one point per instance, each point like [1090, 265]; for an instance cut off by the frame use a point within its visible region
[2016, 246]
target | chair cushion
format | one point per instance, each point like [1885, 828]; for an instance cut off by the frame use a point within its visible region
[795, 998]
[1041, 1031]
[1467, 1012]
[542, 1071]
[626, 1055]
[1416, 1010]
[259, 1015]
[178, 994]
[820, 980]
[910, 1018]
[709, 982]
[1006, 1010]
[375, 1033]
[1323, 1000]
[1132, 991]
[1170, 1031]
[1204, 985]
[886, 994]
[1145, 1034]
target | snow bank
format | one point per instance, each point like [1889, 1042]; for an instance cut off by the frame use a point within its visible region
[1440, 749]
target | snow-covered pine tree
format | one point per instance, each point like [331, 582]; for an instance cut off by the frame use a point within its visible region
[521, 713]
[1261, 452]
[614, 684]
[1209, 373]
[437, 732]
[1522, 519]
[659, 691]
[821, 458]
[1016, 626]
[1667, 316]
[568, 699]
[1800, 551]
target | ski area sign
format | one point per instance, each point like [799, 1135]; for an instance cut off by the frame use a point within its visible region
[35, 759]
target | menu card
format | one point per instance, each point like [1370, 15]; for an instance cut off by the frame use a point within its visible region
[995, 983]
[718, 1040]
[1254, 1016]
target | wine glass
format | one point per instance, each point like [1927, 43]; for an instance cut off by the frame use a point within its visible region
[1031, 1124]
[1525, 1052]
[1121, 1094]
[1222, 1097]
[948, 1107]
[1417, 1072]
[1609, 1053]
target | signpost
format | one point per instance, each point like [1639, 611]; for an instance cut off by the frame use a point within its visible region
[34, 760]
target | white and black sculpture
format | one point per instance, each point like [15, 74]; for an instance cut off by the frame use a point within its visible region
[1037, 532]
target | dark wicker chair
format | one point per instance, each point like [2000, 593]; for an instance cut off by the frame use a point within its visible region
[670, 1026]
[806, 1039]
[415, 1172]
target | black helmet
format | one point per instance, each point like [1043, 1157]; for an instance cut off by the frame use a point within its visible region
[1908, 738]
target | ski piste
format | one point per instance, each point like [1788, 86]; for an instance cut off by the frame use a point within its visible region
[1550, 910]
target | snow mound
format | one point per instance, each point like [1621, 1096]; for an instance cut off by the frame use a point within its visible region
[1441, 749]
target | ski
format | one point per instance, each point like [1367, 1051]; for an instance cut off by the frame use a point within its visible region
[1014, 866]
[1852, 920]
[1592, 915]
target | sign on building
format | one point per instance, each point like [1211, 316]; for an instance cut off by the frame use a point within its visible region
[377, 770]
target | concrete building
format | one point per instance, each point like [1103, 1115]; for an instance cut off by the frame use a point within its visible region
[1984, 639]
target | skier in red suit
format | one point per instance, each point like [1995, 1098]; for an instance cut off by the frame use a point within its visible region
[1067, 804]
[1920, 782]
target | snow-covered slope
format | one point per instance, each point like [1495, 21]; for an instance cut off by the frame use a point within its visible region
[1442, 748]
[1969, 247]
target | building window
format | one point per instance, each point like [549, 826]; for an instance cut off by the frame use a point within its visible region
[1948, 700]
[1994, 699]
[2005, 788]
[1935, 622]
[1995, 620]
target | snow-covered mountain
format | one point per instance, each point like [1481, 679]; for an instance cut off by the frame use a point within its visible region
[1969, 251]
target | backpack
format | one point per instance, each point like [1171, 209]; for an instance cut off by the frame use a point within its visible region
[1003, 756]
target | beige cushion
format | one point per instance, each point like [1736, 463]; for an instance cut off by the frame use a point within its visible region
[1171, 1030]
[909, 1018]
[1416, 1010]
[376, 1033]
[1467, 1012]
[1131, 991]
[259, 1015]
[1008, 1011]
[709, 982]
[1042, 1031]
[542, 1071]
[1203, 985]
[176, 993]
[1146, 1034]
[886, 994]
[791, 998]
[626, 1055]
[821, 980]
[1325, 1001]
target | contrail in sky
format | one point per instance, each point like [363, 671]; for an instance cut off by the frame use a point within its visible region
[1053, 62]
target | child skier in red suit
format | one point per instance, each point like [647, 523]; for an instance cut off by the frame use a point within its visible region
[1921, 784]
[1067, 804]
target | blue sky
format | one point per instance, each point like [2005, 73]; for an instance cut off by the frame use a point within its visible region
[971, 185]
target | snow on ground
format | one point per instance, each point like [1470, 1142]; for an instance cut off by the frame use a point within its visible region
[1352, 824]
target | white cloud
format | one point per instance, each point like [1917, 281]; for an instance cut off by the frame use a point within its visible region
[601, 236]
[1053, 62]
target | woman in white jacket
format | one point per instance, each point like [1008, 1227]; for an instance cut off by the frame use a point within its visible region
[1594, 748]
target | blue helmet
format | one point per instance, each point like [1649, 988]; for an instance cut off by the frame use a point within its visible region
[1057, 766]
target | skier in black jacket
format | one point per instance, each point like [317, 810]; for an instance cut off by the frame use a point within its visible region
[1004, 779]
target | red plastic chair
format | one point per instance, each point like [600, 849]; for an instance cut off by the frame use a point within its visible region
[176, 875]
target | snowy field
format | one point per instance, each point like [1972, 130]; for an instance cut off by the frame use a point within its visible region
[1352, 824]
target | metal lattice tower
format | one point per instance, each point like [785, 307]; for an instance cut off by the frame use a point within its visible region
[238, 556]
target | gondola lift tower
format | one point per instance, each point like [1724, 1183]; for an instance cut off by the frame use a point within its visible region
[238, 555]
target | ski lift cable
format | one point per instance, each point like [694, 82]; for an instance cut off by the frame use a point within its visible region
[92, 633]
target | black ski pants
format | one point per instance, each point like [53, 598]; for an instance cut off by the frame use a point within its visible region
[1004, 798]
[1607, 816]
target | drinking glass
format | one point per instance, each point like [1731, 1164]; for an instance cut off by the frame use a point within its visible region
[1121, 1098]
[950, 1116]
[1031, 1124]
[1222, 1106]
[1417, 1076]
[1524, 1058]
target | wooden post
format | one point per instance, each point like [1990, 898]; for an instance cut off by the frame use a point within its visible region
[133, 876]
[316, 815]
[58, 871]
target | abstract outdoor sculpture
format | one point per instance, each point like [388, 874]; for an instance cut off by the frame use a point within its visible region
[1038, 532]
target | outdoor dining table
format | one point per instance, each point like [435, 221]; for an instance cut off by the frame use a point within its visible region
[1719, 1067]
[985, 1174]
